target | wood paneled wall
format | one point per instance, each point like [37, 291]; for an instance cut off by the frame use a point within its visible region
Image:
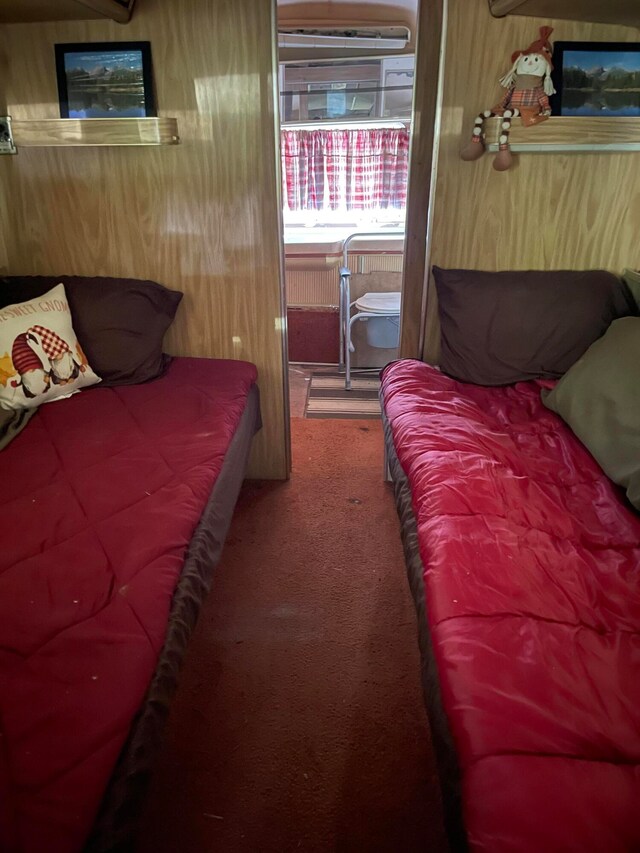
[550, 211]
[202, 217]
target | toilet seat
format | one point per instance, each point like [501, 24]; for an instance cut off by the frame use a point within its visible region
[379, 303]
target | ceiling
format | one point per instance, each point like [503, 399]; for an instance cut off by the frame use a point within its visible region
[346, 12]
[410, 5]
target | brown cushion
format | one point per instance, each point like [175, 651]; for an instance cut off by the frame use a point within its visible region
[503, 327]
[120, 322]
[599, 397]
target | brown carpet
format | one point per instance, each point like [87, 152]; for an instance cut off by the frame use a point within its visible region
[299, 723]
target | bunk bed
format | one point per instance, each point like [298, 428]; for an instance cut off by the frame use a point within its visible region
[115, 502]
[523, 559]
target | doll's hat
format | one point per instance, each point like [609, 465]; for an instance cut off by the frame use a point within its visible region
[541, 46]
[23, 357]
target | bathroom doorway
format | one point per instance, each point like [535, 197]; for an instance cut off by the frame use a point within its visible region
[345, 139]
[338, 102]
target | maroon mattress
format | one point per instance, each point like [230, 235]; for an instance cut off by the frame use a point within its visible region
[100, 497]
[529, 586]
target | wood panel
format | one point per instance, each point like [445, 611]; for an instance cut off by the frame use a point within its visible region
[202, 217]
[95, 131]
[43, 10]
[119, 11]
[550, 210]
[421, 174]
[625, 12]
[504, 7]
[13, 11]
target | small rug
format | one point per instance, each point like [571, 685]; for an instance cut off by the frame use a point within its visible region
[328, 398]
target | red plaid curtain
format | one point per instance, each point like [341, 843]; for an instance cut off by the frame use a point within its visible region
[353, 169]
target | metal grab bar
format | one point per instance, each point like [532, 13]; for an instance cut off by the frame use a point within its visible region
[344, 301]
[359, 234]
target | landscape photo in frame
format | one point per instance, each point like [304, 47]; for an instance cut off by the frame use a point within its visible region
[597, 79]
[105, 80]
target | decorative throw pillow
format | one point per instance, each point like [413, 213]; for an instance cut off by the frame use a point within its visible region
[503, 327]
[120, 321]
[599, 397]
[40, 357]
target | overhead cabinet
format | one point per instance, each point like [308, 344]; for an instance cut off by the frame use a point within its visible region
[625, 12]
[26, 11]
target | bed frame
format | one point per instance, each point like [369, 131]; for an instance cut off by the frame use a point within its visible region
[115, 827]
[445, 753]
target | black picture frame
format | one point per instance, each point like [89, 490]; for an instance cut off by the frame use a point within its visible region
[86, 84]
[582, 70]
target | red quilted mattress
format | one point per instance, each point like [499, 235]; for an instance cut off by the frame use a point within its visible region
[532, 583]
[99, 497]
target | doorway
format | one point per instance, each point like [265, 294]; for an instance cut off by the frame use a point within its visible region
[345, 138]
[318, 87]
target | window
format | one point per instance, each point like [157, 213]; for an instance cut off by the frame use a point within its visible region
[345, 141]
[347, 89]
[344, 175]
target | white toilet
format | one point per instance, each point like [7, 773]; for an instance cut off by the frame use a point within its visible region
[383, 331]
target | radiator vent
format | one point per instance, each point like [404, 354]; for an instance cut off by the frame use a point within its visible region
[312, 288]
[319, 288]
[377, 263]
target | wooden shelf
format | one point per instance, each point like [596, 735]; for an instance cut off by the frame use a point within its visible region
[95, 131]
[568, 133]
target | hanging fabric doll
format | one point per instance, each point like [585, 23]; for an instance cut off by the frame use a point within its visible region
[528, 85]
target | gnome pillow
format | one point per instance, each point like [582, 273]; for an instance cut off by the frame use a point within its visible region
[40, 357]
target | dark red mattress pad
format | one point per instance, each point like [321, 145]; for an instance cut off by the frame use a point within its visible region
[100, 496]
[531, 560]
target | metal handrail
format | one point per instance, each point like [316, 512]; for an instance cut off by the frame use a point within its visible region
[357, 234]
[345, 300]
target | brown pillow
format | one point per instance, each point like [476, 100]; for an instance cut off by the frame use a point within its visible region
[120, 322]
[599, 397]
[503, 327]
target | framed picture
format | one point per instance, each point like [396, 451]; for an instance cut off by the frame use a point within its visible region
[105, 80]
[596, 79]
[7, 145]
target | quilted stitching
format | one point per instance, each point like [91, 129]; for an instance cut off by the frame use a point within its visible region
[100, 497]
[532, 585]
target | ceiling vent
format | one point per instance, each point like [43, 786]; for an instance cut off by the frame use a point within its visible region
[355, 38]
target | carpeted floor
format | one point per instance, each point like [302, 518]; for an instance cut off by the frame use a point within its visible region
[299, 723]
